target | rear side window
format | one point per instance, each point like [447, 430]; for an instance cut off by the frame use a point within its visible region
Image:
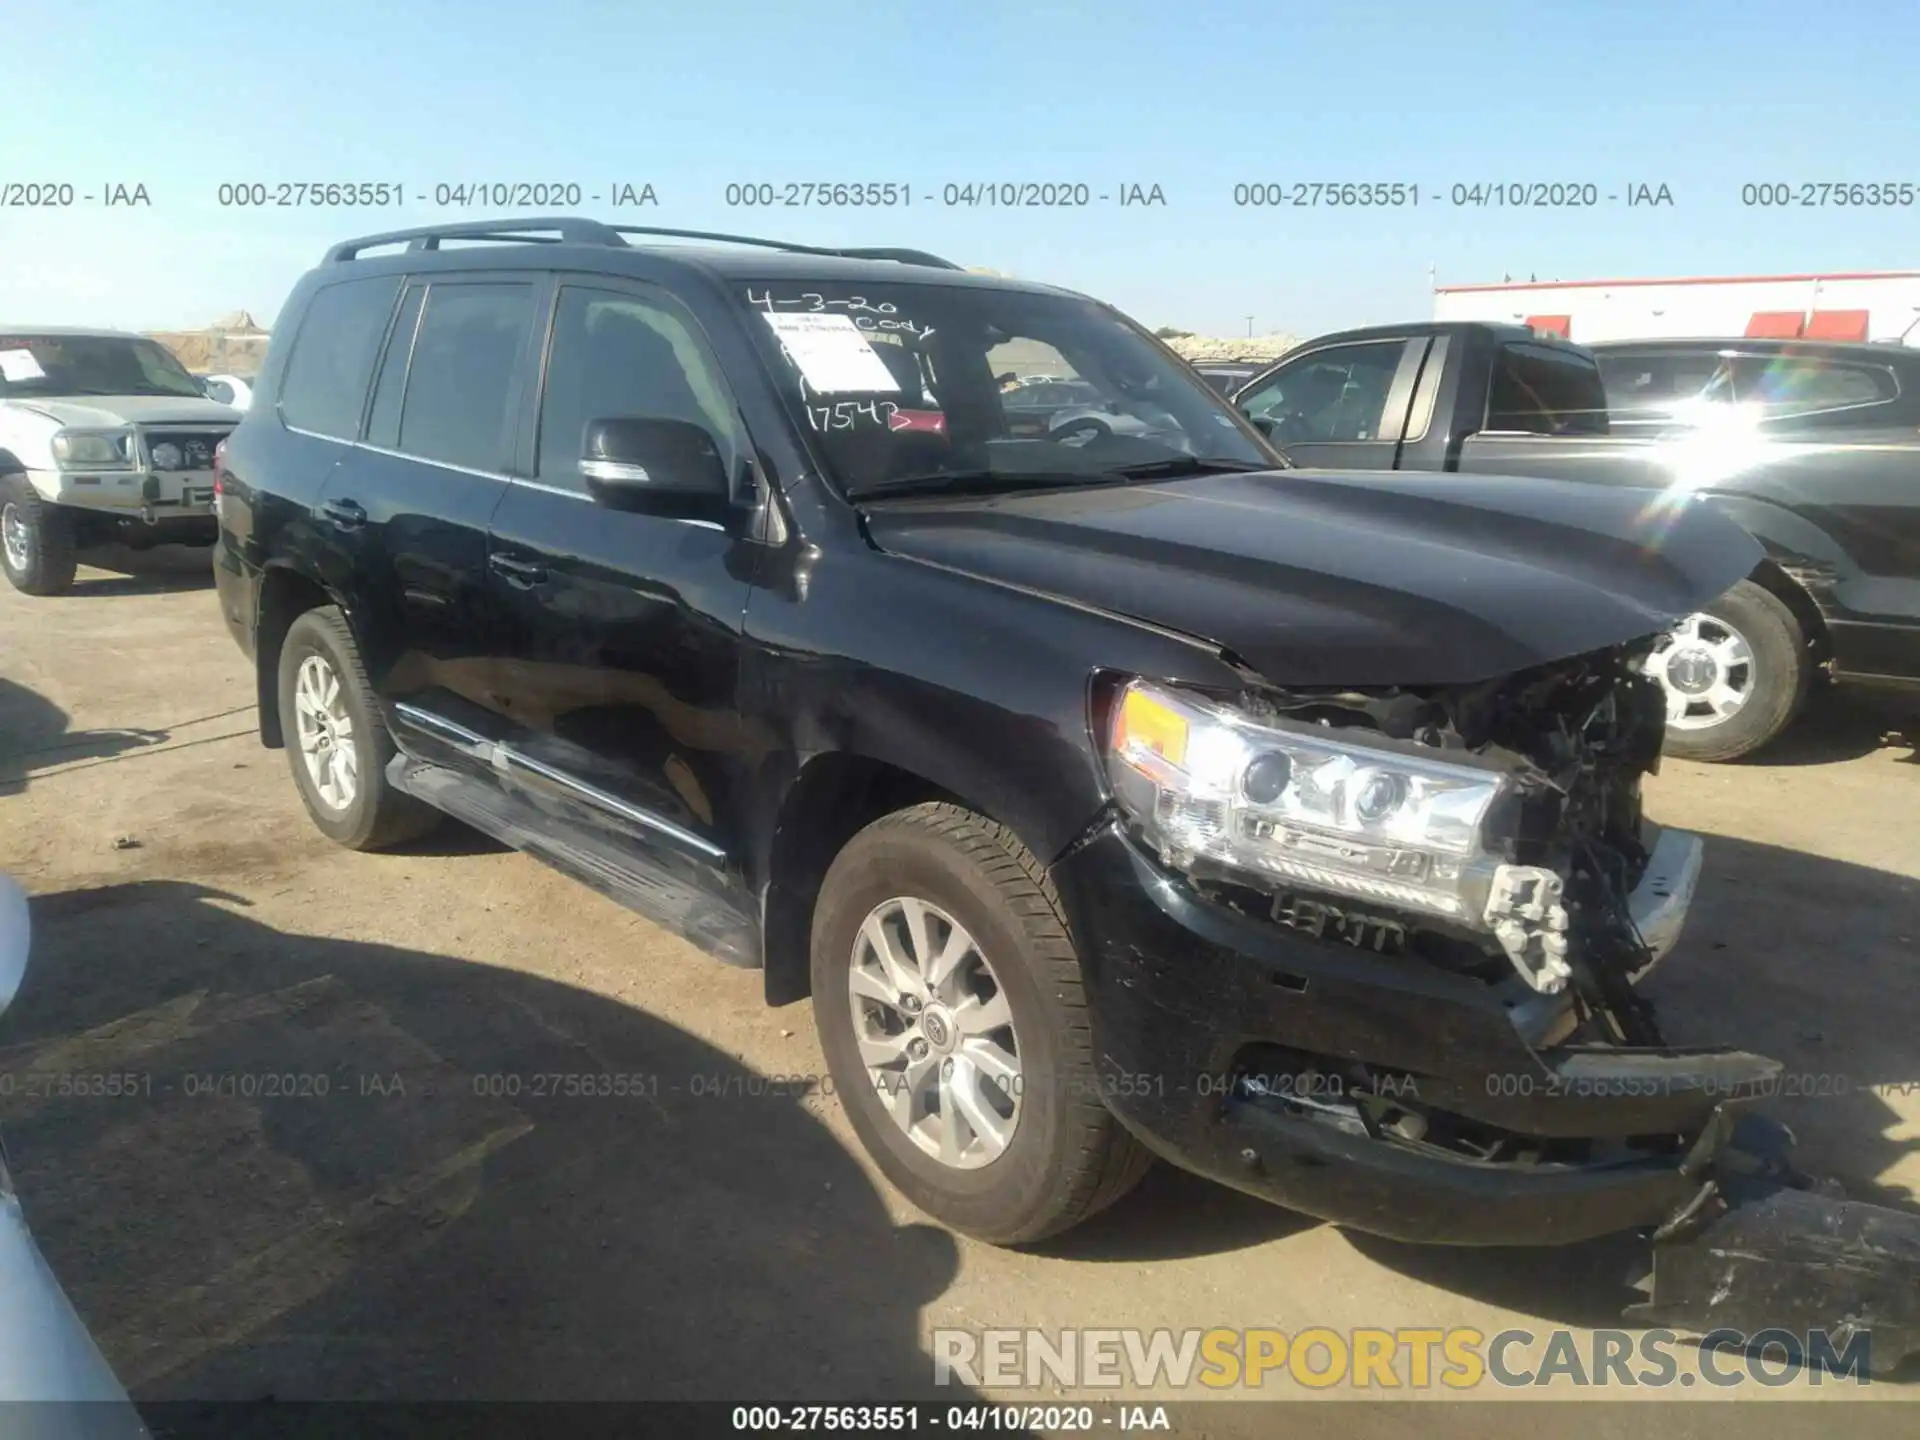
[1660, 380]
[325, 386]
[383, 423]
[1542, 390]
[459, 401]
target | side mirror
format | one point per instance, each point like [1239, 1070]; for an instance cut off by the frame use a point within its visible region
[655, 467]
[1262, 423]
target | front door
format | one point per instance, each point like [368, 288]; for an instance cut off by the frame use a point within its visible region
[618, 634]
[1340, 407]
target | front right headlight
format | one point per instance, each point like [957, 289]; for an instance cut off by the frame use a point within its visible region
[1306, 804]
[93, 449]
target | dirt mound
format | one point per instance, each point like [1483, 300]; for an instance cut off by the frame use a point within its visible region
[233, 345]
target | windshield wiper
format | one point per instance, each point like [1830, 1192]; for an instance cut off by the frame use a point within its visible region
[973, 482]
[1174, 468]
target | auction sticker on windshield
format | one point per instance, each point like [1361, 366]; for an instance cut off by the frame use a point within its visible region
[20, 365]
[832, 355]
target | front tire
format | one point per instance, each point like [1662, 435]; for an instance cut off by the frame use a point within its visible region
[1735, 674]
[950, 1007]
[36, 540]
[336, 742]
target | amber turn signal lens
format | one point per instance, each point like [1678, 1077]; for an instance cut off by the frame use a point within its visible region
[1143, 723]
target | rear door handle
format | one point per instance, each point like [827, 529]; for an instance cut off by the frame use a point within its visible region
[346, 514]
[517, 572]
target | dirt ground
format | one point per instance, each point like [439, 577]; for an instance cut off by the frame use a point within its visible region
[428, 1227]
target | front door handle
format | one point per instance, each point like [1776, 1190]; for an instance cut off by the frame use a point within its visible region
[344, 514]
[522, 573]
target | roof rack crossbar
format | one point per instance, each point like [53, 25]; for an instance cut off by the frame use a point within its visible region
[539, 230]
[904, 257]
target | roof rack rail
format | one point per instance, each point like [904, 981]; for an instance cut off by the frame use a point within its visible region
[904, 257]
[568, 230]
[541, 230]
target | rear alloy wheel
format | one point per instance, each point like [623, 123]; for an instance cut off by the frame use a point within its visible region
[36, 540]
[953, 1017]
[337, 744]
[1734, 674]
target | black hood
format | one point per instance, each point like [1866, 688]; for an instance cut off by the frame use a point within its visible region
[1316, 578]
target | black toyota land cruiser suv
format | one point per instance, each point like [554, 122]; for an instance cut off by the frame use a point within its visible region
[1111, 791]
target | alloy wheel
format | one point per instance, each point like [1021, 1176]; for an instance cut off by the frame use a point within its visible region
[935, 1033]
[1707, 669]
[325, 731]
[16, 537]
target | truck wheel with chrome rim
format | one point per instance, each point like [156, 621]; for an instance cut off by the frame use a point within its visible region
[950, 1007]
[337, 744]
[36, 540]
[1735, 674]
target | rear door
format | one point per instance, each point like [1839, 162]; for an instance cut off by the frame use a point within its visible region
[408, 509]
[1341, 406]
[1547, 415]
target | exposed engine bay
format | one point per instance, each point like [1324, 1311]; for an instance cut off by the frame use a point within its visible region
[1577, 737]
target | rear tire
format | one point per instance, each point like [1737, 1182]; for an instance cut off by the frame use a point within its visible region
[336, 742]
[36, 540]
[1747, 644]
[1066, 1156]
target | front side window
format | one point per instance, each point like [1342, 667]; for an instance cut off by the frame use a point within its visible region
[926, 384]
[616, 356]
[58, 365]
[332, 361]
[459, 401]
[1540, 390]
[1336, 394]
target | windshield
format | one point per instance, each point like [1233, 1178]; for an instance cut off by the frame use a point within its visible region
[52, 365]
[932, 387]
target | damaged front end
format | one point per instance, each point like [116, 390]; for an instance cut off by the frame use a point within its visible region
[1378, 951]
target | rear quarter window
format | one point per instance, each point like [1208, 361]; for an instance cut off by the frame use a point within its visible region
[325, 384]
[1813, 390]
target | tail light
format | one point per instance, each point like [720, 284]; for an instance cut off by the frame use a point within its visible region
[219, 467]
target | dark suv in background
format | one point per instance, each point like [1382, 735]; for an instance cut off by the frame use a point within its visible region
[1110, 791]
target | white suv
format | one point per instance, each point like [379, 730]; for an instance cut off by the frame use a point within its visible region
[103, 436]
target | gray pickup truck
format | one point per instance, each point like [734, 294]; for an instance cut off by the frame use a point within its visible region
[1833, 498]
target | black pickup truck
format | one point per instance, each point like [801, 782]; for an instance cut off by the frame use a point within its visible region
[1836, 506]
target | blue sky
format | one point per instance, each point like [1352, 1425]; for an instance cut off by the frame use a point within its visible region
[1700, 96]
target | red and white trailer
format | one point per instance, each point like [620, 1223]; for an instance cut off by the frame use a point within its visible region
[1882, 305]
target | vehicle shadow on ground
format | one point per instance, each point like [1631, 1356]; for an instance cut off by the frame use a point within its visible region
[34, 737]
[157, 570]
[316, 1168]
[1844, 723]
[1842, 1015]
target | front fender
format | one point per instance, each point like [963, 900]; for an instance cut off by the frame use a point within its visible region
[977, 688]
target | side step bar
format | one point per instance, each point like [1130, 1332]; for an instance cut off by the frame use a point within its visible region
[667, 889]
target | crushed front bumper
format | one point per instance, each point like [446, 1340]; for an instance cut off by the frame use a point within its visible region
[1183, 991]
[1662, 1141]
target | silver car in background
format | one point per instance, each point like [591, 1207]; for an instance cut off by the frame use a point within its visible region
[54, 1382]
